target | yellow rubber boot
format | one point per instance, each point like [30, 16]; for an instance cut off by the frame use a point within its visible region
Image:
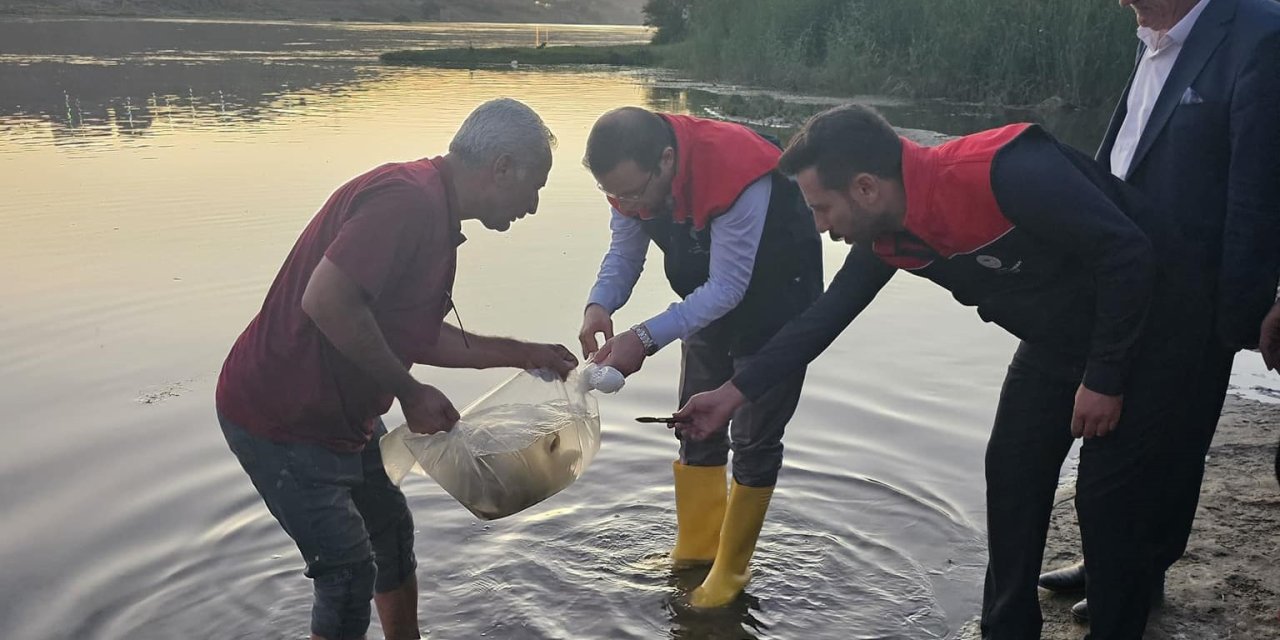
[731, 570]
[701, 494]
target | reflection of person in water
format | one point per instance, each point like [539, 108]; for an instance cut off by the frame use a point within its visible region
[360, 298]
[1048, 245]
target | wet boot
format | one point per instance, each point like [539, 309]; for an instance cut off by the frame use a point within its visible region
[731, 570]
[701, 494]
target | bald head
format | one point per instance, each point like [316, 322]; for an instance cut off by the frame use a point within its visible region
[626, 133]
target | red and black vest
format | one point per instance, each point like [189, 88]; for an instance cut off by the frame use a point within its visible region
[715, 162]
[951, 205]
[959, 234]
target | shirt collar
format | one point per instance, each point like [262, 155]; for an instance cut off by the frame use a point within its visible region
[446, 178]
[1177, 35]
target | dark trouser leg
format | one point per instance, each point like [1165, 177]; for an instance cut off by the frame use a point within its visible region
[1029, 441]
[1278, 463]
[387, 518]
[390, 525]
[699, 474]
[1123, 476]
[1109, 501]
[704, 365]
[1181, 489]
[757, 428]
[309, 491]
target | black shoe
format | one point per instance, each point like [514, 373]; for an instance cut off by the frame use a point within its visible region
[1065, 580]
[1080, 610]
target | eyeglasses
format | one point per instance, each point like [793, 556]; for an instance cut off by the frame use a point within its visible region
[634, 196]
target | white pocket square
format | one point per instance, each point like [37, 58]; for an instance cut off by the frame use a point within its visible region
[1190, 97]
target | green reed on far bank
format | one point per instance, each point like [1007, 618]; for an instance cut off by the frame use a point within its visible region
[995, 51]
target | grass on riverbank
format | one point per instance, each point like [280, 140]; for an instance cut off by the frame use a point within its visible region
[991, 51]
[636, 55]
[997, 52]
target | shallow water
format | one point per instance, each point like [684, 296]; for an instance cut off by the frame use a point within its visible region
[155, 174]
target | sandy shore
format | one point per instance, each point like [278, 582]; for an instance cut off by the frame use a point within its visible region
[1227, 586]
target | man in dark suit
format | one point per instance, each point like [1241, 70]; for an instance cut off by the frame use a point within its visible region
[1198, 131]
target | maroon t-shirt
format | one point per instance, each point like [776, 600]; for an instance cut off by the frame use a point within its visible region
[395, 232]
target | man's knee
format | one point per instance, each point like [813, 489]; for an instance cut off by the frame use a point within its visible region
[757, 451]
[342, 608]
[757, 466]
[393, 554]
[713, 452]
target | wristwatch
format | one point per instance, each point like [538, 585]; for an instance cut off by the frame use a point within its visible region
[642, 332]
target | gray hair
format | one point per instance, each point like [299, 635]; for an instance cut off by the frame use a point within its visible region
[503, 126]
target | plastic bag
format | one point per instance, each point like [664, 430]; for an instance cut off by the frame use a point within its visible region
[519, 444]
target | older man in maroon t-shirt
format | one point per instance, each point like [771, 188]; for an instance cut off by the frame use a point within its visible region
[362, 297]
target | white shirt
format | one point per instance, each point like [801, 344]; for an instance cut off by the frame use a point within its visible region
[1153, 70]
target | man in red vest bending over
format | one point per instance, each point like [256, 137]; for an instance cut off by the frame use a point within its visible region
[1051, 247]
[740, 249]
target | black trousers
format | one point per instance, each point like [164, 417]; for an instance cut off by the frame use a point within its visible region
[1181, 489]
[1179, 493]
[1118, 489]
[755, 433]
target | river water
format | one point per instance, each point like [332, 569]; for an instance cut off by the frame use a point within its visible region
[156, 173]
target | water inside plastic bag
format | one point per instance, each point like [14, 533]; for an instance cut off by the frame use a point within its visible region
[520, 444]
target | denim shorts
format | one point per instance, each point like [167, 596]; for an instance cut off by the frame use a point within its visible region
[350, 522]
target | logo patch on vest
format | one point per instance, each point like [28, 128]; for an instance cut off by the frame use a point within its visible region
[995, 264]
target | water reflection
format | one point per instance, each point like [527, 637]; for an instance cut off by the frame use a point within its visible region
[92, 106]
[114, 41]
[169, 77]
[158, 172]
[87, 82]
[737, 620]
[149, 205]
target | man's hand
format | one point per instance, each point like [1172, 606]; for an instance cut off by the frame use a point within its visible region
[1269, 338]
[594, 320]
[427, 411]
[551, 357]
[623, 352]
[1095, 414]
[708, 412]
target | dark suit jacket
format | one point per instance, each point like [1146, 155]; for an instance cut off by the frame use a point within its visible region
[1210, 156]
